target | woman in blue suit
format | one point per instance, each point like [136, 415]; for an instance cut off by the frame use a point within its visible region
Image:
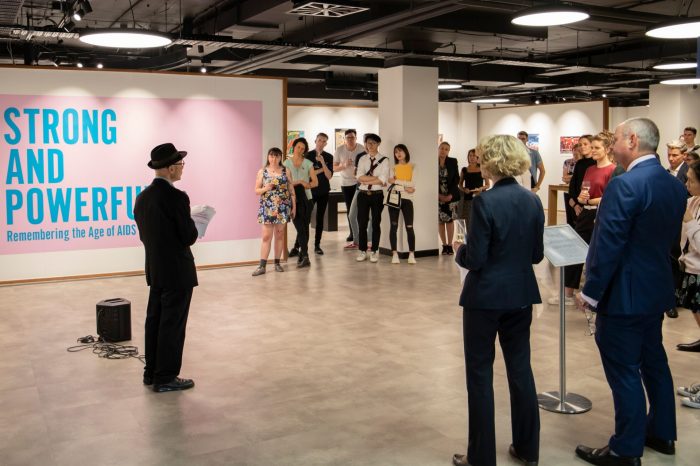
[505, 239]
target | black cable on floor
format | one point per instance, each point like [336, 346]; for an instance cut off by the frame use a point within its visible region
[106, 350]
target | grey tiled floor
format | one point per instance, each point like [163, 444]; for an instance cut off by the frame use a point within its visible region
[339, 364]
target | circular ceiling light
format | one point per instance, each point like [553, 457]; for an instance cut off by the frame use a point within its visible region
[683, 28]
[550, 16]
[490, 100]
[449, 86]
[680, 65]
[124, 38]
[681, 81]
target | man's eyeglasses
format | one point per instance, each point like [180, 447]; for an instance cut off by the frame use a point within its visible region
[182, 163]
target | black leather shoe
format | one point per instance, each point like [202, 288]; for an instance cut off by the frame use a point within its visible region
[460, 460]
[603, 457]
[318, 250]
[349, 239]
[519, 458]
[693, 347]
[176, 384]
[304, 262]
[148, 380]
[293, 252]
[667, 447]
[672, 313]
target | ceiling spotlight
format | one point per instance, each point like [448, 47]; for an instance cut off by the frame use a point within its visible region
[80, 9]
[682, 28]
[203, 69]
[564, 99]
[676, 65]
[124, 38]
[605, 95]
[449, 86]
[490, 100]
[100, 66]
[549, 16]
[79, 65]
[537, 102]
[69, 25]
[681, 81]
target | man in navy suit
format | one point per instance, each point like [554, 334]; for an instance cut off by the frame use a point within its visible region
[162, 214]
[505, 239]
[630, 284]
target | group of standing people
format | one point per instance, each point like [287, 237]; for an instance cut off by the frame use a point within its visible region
[289, 190]
[629, 284]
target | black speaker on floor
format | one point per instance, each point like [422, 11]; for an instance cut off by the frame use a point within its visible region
[114, 319]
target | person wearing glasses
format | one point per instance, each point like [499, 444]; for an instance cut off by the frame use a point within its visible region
[162, 214]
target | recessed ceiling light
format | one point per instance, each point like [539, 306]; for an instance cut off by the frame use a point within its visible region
[490, 100]
[681, 81]
[124, 38]
[680, 65]
[203, 69]
[549, 16]
[605, 95]
[682, 28]
[100, 65]
[537, 102]
[449, 86]
[79, 65]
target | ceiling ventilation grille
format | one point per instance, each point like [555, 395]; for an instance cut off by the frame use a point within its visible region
[9, 11]
[329, 10]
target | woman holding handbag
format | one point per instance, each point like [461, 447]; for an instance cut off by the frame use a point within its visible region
[402, 181]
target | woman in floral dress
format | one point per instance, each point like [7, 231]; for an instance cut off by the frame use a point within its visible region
[277, 207]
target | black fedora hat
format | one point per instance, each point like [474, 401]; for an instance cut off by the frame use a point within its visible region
[165, 155]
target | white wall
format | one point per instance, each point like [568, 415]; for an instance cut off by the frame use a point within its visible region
[550, 122]
[457, 122]
[673, 108]
[314, 119]
[619, 114]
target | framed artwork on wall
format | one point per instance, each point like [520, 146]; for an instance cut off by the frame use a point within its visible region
[291, 136]
[567, 143]
[340, 137]
[533, 141]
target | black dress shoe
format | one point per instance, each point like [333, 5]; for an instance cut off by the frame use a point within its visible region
[444, 250]
[519, 458]
[349, 239]
[148, 380]
[304, 262]
[460, 460]
[667, 447]
[693, 347]
[318, 250]
[294, 252]
[672, 313]
[603, 457]
[176, 384]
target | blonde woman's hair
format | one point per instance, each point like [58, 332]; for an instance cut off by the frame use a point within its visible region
[503, 155]
[606, 138]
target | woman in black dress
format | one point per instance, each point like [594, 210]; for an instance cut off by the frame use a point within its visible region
[471, 183]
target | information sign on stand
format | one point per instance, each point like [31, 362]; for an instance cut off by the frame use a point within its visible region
[562, 247]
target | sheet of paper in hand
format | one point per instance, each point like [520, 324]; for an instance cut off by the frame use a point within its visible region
[202, 215]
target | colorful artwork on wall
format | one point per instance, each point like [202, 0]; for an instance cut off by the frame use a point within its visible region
[567, 143]
[291, 136]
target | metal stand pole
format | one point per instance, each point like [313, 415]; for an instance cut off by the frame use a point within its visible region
[562, 402]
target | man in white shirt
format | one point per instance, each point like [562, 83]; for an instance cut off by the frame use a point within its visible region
[372, 175]
[344, 163]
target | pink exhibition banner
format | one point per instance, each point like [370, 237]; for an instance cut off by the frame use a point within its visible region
[73, 166]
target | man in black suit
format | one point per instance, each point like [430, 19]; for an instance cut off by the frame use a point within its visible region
[162, 214]
[505, 238]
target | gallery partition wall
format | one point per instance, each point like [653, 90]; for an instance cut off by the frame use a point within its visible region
[73, 150]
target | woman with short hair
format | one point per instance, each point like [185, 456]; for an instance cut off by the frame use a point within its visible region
[504, 240]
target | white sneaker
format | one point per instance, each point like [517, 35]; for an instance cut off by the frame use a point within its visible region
[411, 258]
[362, 256]
[693, 390]
[568, 300]
[373, 256]
[691, 402]
[395, 258]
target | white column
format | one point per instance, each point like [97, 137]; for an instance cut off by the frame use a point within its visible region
[408, 114]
